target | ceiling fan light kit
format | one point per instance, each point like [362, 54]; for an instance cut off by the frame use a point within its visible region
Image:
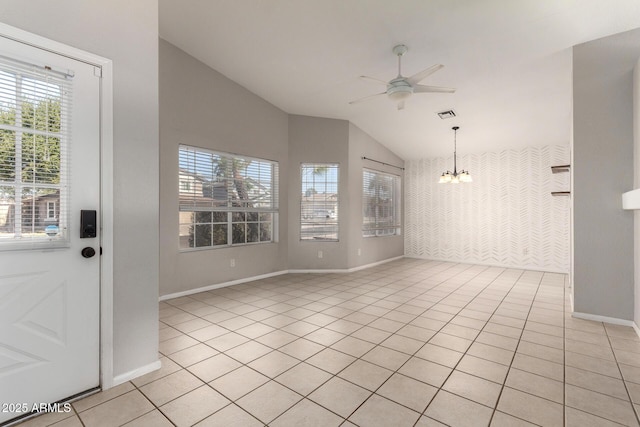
[455, 177]
[401, 88]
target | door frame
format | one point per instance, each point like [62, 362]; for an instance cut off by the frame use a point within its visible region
[106, 183]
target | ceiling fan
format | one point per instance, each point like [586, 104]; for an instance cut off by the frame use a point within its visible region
[401, 88]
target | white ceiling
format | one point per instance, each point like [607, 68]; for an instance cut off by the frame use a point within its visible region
[510, 61]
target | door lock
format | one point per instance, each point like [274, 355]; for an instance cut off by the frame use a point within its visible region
[88, 224]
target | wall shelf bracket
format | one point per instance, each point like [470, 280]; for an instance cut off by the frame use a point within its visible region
[560, 168]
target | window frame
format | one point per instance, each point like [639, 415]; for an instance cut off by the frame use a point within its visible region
[229, 216]
[326, 208]
[378, 229]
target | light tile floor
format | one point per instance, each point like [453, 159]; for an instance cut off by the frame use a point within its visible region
[407, 343]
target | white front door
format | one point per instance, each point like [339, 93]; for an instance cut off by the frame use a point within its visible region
[49, 172]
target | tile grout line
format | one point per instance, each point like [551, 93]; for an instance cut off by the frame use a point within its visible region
[156, 407]
[205, 384]
[382, 298]
[272, 350]
[624, 381]
[401, 289]
[376, 345]
[515, 352]
[452, 265]
[472, 341]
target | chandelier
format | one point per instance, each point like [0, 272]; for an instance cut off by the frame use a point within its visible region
[455, 177]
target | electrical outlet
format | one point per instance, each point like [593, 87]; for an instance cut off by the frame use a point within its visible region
[319, 254]
[232, 263]
[359, 251]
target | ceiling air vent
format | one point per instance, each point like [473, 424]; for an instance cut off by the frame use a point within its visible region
[447, 114]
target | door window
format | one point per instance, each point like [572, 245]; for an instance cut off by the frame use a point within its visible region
[34, 142]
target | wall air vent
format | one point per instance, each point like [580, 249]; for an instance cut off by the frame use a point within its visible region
[447, 114]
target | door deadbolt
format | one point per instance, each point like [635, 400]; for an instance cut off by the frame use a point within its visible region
[88, 252]
[88, 224]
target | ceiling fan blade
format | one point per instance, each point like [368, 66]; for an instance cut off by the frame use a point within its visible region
[367, 97]
[418, 77]
[373, 80]
[425, 89]
[400, 105]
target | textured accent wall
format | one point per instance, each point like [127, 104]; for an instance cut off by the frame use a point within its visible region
[506, 217]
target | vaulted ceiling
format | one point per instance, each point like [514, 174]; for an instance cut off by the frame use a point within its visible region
[510, 61]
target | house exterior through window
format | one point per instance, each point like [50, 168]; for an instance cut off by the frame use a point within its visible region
[51, 210]
[319, 202]
[225, 199]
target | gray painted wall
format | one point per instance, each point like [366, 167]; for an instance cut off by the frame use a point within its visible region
[373, 249]
[602, 171]
[318, 140]
[127, 33]
[201, 107]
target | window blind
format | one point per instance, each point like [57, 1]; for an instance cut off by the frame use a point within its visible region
[380, 204]
[35, 112]
[225, 199]
[211, 180]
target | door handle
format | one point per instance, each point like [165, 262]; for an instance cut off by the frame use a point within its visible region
[88, 252]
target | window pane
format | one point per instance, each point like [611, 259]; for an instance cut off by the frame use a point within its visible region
[7, 212]
[319, 202]
[253, 232]
[265, 217]
[35, 219]
[380, 203]
[219, 216]
[238, 217]
[202, 217]
[186, 229]
[265, 232]
[40, 158]
[202, 235]
[222, 193]
[219, 234]
[7, 154]
[238, 232]
[34, 207]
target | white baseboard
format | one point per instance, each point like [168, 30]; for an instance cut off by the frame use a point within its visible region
[221, 285]
[488, 264]
[604, 319]
[571, 300]
[265, 276]
[346, 270]
[128, 376]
